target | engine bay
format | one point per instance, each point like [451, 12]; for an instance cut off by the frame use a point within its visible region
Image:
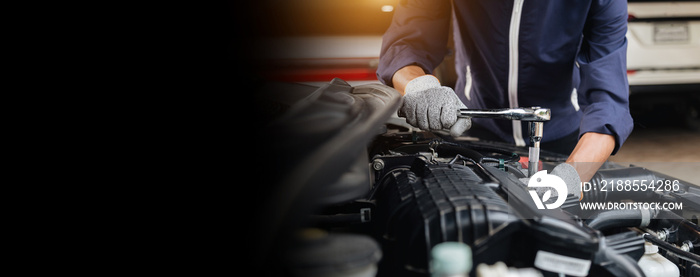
[358, 193]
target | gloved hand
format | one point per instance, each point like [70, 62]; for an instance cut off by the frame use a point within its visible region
[430, 106]
[568, 174]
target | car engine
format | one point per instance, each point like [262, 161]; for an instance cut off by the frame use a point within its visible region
[354, 191]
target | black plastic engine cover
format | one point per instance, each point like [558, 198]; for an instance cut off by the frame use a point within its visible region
[433, 203]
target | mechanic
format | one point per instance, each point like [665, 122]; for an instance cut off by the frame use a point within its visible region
[568, 56]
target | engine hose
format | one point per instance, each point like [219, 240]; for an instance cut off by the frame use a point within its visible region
[670, 247]
[615, 258]
[621, 264]
[601, 185]
[621, 218]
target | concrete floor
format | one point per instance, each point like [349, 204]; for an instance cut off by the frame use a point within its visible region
[665, 145]
[672, 151]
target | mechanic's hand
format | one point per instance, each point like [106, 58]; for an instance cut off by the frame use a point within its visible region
[568, 174]
[430, 106]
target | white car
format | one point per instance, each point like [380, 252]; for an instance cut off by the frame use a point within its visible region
[663, 45]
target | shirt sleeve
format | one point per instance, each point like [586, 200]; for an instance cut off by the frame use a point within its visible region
[602, 62]
[417, 35]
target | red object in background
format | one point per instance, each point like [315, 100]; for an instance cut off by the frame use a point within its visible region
[322, 75]
[321, 70]
[524, 163]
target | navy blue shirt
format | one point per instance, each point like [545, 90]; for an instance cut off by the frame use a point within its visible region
[569, 56]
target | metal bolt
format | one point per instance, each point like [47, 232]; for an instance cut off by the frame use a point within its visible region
[662, 234]
[378, 164]
[687, 246]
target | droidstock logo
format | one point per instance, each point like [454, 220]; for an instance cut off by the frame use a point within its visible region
[543, 180]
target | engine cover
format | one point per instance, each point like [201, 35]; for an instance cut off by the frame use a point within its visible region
[432, 203]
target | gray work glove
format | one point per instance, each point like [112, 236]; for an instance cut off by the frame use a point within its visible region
[568, 174]
[430, 106]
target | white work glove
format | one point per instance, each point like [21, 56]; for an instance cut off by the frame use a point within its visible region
[430, 106]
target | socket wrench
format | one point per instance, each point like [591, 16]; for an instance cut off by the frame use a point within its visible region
[535, 115]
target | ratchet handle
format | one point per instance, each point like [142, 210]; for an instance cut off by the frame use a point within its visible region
[524, 114]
